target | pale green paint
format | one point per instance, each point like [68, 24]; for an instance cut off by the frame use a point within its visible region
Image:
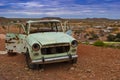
[44, 38]
[50, 38]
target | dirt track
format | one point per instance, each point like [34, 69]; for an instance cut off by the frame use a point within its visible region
[94, 63]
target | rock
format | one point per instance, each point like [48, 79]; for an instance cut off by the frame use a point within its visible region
[72, 68]
[112, 71]
[83, 77]
[46, 74]
[115, 78]
[2, 36]
[17, 77]
[79, 74]
[3, 52]
[26, 68]
[88, 71]
[41, 70]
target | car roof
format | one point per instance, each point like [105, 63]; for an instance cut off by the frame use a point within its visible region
[42, 21]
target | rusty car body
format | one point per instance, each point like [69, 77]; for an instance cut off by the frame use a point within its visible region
[42, 42]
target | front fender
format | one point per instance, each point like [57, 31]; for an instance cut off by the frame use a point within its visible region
[31, 52]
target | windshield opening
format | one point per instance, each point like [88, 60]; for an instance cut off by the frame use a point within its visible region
[37, 27]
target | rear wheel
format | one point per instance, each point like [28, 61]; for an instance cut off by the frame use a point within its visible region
[11, 53]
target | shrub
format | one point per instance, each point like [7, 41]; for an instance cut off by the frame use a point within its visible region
[117, 40]
[114, 38]
[98, 43]
[111, 37]
[118, 35]
[95, 36]
[87, 43]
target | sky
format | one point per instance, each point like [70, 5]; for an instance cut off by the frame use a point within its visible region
[60, 8]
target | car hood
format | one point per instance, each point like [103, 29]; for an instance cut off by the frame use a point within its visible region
[51, 38]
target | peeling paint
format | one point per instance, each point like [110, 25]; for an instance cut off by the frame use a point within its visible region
[15, 42]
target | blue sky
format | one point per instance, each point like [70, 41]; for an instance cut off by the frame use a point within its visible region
[60, 8]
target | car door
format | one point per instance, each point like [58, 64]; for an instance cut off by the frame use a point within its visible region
[15, 38]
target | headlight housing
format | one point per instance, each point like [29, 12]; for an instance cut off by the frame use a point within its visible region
[36, 47]
[74, 43]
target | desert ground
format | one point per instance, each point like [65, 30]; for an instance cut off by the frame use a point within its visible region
[94, 63]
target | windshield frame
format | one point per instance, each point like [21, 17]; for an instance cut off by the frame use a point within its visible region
[29, 23]
[20, 26]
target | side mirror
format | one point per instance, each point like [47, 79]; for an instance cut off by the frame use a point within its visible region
[69, 32]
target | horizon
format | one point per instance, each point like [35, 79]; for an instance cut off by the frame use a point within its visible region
[75, 9]
[55, 17]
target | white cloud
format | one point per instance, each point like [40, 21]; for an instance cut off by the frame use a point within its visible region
[28, 5]
[31, 4]
[1, 4]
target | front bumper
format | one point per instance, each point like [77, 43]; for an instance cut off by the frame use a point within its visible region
[55, 59]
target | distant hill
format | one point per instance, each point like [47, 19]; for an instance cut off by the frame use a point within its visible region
[86, 21]
[4, 20]
[2, 17]
[52, 18]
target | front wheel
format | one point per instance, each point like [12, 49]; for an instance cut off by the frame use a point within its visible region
[28, 61]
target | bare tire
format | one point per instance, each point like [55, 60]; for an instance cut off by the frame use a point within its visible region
[74, 61]
[28, 61]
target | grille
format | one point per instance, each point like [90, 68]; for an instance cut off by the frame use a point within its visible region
[55, 49]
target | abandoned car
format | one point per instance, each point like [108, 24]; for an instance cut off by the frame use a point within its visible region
[42, 42]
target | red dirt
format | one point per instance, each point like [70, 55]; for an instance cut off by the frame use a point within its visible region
[2, 31]
[94, 63]
[2, 44]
